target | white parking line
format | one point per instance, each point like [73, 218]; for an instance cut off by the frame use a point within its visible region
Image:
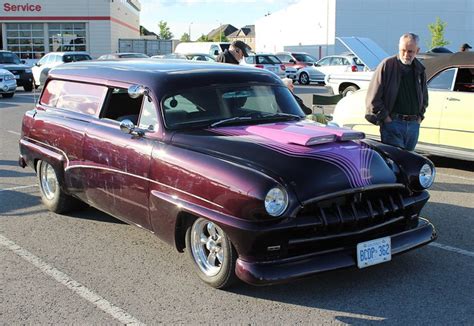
[14, 132]
[104, 305]
[16, 188]
[453, 249]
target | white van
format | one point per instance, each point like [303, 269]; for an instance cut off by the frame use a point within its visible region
[213, 48]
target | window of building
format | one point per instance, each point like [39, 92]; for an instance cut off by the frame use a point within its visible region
[67, 37]
[26, 39]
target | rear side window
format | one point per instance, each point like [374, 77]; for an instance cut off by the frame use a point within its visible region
[72, 96]
[443, 80]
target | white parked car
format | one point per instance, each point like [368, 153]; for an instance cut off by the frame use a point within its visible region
[7, 83]
[329, 65]
[370, 53]
[53, 59]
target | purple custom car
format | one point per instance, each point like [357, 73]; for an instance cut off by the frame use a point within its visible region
[218, 160]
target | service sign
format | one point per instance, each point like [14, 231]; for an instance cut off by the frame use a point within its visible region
[21, 7]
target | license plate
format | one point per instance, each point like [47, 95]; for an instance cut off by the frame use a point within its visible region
[17, 76]
[374, 252]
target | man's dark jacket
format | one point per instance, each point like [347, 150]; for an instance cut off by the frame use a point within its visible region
[226, 57]
[383, 89]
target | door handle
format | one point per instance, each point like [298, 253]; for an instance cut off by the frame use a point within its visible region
[453, 99]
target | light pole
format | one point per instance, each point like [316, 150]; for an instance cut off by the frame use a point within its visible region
[220, 31]
[189, 30]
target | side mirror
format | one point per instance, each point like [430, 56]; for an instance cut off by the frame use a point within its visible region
[216, 53]
[38, 64]
[127, 126]
[135, 91]
[293, 61]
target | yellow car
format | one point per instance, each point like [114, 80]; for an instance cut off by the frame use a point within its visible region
[448, 127]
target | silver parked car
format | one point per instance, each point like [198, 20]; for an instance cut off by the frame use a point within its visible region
[7, 83]
[266, 61]
[332, 64]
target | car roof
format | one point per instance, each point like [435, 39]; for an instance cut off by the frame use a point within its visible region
[68, 52]
[436, 64]
[162, 75]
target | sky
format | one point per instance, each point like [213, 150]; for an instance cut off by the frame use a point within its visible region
[201, 16]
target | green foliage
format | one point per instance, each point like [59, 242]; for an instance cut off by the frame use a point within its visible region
[437, 33]
[220, 38]
[185, 38]
[165, 33]
[203, 38]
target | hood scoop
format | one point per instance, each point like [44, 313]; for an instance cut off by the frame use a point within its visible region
[303, 133]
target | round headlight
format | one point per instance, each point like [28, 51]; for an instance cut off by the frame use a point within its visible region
[276, 201]
[427, 175]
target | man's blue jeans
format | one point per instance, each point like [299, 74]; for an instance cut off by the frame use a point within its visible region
[403, 134]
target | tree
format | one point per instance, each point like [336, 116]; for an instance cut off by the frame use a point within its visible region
[220, 38]
[165, 33]
[185, 38]
[437, 33]
[203, 38]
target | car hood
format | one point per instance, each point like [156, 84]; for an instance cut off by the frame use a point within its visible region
[284, 152]
[369, 52]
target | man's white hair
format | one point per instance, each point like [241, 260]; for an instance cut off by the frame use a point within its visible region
[411, 36]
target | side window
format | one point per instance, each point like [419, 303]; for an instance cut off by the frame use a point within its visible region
[324, 62]
[214, 50]
[464, 80]
[250, 59]
[443, 80]
[77, 97]
[43, 60]
[120, 106]
[149, 117]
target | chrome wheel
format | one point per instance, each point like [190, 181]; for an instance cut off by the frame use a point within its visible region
[304, 78]
[48, 180]
[207, 246]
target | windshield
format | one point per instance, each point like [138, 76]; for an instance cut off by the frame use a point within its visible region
[304, 57]
[201, 107]
[9, 57]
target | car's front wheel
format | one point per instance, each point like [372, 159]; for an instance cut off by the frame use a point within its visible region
[349, 90]
[212, 253]
[53, 197]
[304, 78]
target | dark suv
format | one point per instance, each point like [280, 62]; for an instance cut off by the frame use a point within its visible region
[22, 72]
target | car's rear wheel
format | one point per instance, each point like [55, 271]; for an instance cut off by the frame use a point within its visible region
[212, 253]
[349, 90]
[53, 197]
[304, 78]
[8, 95]
[28, 88]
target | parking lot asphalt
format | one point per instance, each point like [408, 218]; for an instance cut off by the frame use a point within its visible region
[89, 268]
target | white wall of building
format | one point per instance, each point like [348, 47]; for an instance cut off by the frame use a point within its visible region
[311, 25]
[106, 20]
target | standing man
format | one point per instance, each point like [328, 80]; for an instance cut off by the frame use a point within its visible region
[465, 47]
[236, 52]
[397, 96]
